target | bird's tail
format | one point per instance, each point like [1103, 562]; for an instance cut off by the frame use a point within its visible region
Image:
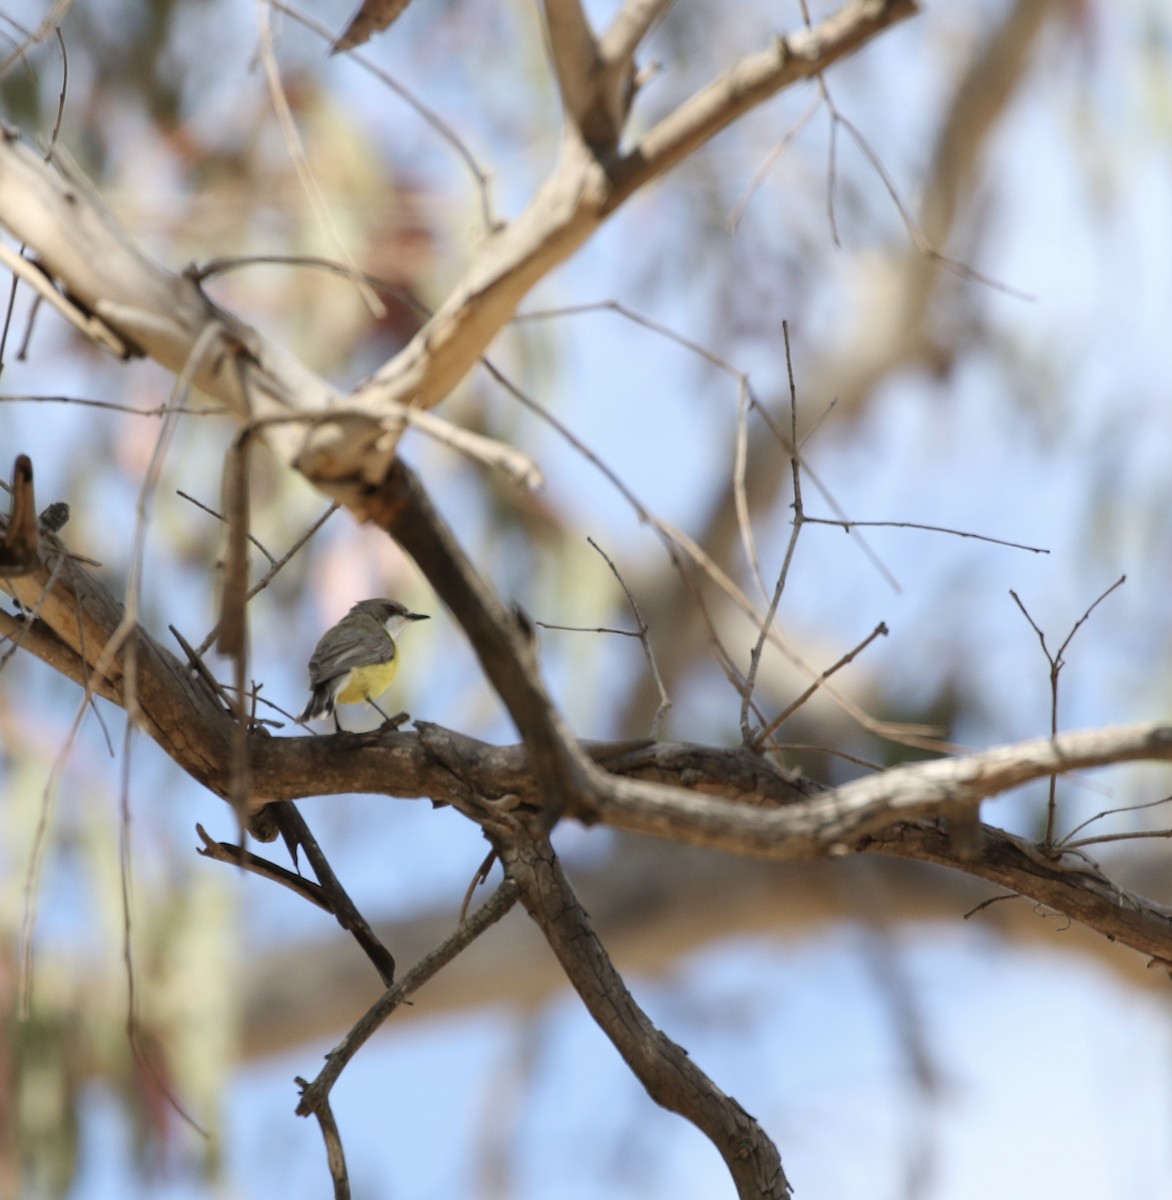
[321, 703]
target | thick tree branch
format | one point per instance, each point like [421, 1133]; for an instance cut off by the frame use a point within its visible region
[90, 268]
[702, 796]
[671, 1078]
[590, 97]
[104, 276]
[402, 508]
[1070, 885]
[41, 642]
[834, 820]
[341, 444]
[748, 83]
[582, 192]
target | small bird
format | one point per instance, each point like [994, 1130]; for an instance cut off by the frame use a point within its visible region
[356, 659]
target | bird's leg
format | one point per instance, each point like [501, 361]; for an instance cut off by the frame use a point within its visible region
[394, 722]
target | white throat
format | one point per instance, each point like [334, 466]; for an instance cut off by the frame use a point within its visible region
[395, 624]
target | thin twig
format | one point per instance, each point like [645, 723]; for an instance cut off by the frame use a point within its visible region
[814, 748]
[880, 630]
[278, 564]
[724, 658]
[783, 574]
[769, 162]
[1057, 662]
[709, 356]
[740, 497]
[960, 533]
[675, 540]
[485, 916]
[203, 670]
[644, 641]
[237, 262]
[917, 235]
[299, 159]
[481, 177]
[972, 912]
[631, 633]
[1110, 812]
[60, 118]
[1135, 835]
[160, 410]
[254, 864]
[220, 517]
[49, 23]
[478, 878]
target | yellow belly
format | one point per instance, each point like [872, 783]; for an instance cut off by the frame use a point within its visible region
[367, 683]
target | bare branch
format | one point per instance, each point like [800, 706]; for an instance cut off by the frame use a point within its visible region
[305, 175]
[632, 23]
[776, 723]
[49, 23]
[751, 81]
[582, 193]
[429, 116]
[402, 508]
[296, 833]
[491, 911]
[644, 641]
[1057, 662]
[576, 64]
[102, 274]
[671, 1078]
[790, 549]
[836, 819]
[58, 213]
[678, 792]
[848, 525]
[254, 864]
[1080, 893]
[335, 1155]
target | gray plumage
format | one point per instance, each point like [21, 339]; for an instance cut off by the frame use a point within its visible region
[363, 638]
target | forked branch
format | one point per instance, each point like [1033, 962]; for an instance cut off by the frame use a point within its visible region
[670, 1076]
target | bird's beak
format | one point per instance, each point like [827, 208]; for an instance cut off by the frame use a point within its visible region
[418, 617]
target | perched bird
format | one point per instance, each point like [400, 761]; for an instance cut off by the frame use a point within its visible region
[356, 659]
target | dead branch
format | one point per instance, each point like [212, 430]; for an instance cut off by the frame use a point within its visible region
[316, 1094]
[104, 280]
[670, 1076]
[582, 192]
[726, 799]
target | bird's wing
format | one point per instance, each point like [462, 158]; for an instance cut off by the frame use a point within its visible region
[369, 646]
